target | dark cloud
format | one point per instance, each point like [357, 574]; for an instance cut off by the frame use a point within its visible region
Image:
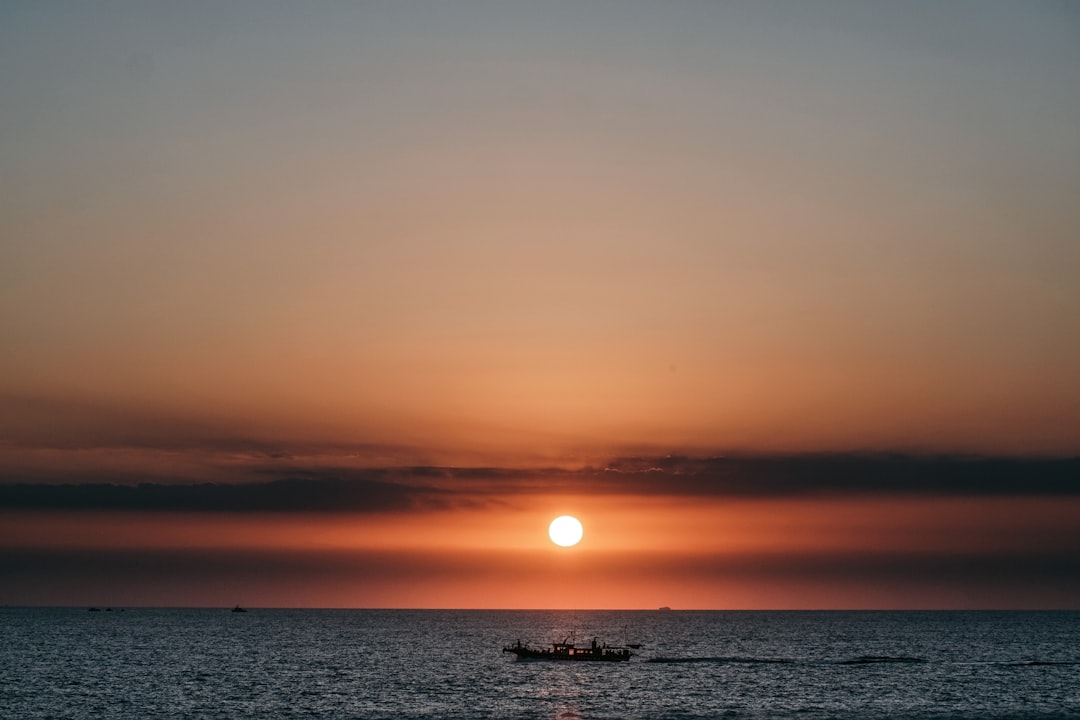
[297, 494]
[843, 474]
[262, 485]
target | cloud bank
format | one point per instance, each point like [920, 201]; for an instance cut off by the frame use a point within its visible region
[262, 487]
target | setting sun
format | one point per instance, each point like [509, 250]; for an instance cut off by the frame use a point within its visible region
[565, 530]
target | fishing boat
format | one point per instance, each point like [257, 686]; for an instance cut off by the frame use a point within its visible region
[568, 650]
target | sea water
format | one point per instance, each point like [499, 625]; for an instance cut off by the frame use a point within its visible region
[186, 663]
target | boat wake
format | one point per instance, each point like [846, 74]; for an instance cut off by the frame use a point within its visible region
[875, 659]
[731, 660]
[1035, 663]
[860, 660]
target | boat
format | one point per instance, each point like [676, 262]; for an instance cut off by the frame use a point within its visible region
[568, 650]
[238, 609]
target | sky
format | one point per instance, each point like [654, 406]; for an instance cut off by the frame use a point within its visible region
[339, 304]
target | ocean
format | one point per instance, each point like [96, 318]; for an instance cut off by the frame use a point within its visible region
[212, 663]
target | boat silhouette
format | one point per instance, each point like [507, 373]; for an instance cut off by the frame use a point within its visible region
[569, 651]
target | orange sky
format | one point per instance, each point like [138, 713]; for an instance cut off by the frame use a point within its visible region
[318, 252]
[488, 549]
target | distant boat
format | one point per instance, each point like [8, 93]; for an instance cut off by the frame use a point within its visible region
[595, 652]
[664, 608]
[238, 609]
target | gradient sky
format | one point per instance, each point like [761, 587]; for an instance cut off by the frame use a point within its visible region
[338, 304]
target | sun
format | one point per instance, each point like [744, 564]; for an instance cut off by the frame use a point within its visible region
[565, 530]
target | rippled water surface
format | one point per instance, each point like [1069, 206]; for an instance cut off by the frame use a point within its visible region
[143, 663]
